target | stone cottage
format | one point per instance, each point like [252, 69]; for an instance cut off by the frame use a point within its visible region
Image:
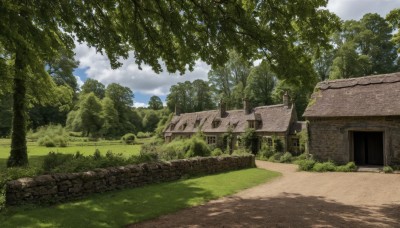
[356, 120]
[269, 122]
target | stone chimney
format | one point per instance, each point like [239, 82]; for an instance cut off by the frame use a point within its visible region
[222, 109]
[177, 110]
[246, 106]
[286, 99]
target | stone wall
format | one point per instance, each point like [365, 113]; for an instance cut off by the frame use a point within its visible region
[61, 187]
[330, 138]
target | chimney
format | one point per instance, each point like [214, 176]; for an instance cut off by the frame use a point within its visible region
[286, 99]
[177, 110]
[222, 109]
[246, 106]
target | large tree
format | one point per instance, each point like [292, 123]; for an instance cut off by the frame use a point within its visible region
[94, 86]
[176, 32]
[155, 103]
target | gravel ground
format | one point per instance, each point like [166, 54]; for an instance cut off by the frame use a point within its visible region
[299, 199]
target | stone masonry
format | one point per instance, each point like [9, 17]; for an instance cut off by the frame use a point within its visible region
[329, 138]
[65, 186]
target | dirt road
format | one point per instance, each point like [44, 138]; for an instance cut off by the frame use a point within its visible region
[300, 199]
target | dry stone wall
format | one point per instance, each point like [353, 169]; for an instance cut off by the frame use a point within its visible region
[62, 187]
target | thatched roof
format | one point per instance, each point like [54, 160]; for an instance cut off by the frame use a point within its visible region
[377, 95]
[274, 118]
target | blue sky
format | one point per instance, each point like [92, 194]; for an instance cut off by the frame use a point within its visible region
[145, 83]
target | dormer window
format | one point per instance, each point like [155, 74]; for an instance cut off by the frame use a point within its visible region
[216, 123]
[172, 126]
[197, 123]
[251, 124]
[183, 126]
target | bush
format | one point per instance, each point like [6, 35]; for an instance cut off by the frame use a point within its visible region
[276, 157]
[128, 138]
[349, 167]
[198, 148]
[53, 160]
[324, 167]
[241, 152]
[286, 158]
[217, 152]
[141, 135]
[387, 169]
[50, 136]
[46, 141]
[265, 152]
[306, 165]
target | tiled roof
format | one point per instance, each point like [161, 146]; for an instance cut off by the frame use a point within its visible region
[377, 95]
[274, 118]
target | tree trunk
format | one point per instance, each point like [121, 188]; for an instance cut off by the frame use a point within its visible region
[18, 154]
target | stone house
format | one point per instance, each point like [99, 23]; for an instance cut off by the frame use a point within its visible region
[270, 122]
[356, 120]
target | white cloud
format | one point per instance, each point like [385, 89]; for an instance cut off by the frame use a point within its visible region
[144, 81]
[140, 105]
[355, 9]
[79, 81]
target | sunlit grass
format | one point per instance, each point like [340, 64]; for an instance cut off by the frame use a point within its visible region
[115, 209]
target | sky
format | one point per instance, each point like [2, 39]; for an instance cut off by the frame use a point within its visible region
[145, 83]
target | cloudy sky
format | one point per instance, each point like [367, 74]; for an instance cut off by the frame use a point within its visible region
[145, 83]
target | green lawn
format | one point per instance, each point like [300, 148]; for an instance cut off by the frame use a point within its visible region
[118, 208]
[36, 152]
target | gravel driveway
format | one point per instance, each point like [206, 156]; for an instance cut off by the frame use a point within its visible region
[300, 199]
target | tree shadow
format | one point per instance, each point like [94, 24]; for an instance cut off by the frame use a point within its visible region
[285, 210]
[111, 209]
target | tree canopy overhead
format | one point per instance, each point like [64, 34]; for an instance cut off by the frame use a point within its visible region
[175, 32]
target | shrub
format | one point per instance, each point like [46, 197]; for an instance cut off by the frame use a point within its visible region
[53, 160]
[265, 152]
[324, 167]
[240, 152]
[141, 135]
[128, 138]
[217, 152]
[198, 148]
[97, 154]
[387, 169]
[46, 141]
[275, 157]
[286, 158]
[349, 167]
[306, 165]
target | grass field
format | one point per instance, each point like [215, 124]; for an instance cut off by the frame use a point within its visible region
[36, 152]
[115, 209]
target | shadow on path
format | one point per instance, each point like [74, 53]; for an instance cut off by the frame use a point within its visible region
[285, 210]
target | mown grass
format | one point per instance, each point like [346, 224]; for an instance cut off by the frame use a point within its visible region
[115, 209]
[36, 153]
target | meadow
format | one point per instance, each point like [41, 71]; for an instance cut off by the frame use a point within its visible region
[36, 153]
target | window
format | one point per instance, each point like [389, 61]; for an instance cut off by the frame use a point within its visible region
[172, 127]
[269, 141]
[251, 124]
[295, 142]
[215, 123]
[197, 123]
[211, 140]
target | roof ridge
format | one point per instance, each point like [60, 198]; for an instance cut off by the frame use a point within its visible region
[366, 80]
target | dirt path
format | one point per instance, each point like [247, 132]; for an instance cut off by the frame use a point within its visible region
[300, 199]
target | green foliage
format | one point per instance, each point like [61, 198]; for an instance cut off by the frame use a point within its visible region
[95, 87]
[387, 169]
[240, 152]
[155, 103]
[286, 158]
[150, 121]
[217, 152]
[349, 167]
[198, 148]
[278, 144]
[328, 166]
[303, 140]
[306, 165]
[50, 136]
[128, 138]
[265, 152]
[249, 140]
[190, 97]
[53, 160]
[142, 135]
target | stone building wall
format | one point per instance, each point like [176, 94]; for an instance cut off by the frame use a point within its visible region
[330, 138]
[61, 187]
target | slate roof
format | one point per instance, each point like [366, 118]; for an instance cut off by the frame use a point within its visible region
[377, 95]
[274, 118]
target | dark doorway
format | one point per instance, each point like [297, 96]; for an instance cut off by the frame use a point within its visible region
[368, 148]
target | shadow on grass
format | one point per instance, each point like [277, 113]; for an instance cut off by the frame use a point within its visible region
[285, 210]
[112, 209]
